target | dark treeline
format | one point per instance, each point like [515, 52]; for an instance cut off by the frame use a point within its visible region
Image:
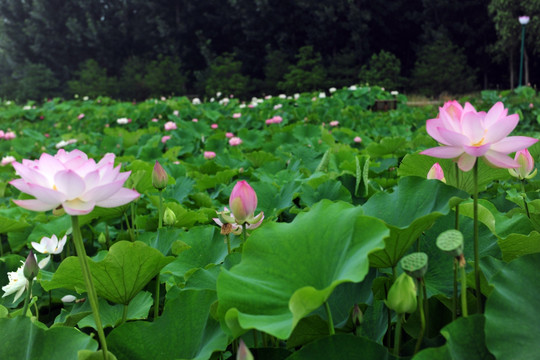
[134, 49]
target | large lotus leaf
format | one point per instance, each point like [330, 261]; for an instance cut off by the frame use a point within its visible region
[419, 165]
[410, 210]
[185, 330]
[290, 269]
[464, 340]
[206, 246]
[516, 245]
[22, 339]
[342, 347]
[125, 270]
[512, 316]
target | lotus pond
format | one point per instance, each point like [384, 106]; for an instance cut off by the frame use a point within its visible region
[289, 227]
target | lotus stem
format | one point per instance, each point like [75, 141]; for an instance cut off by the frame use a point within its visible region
[524, 196]
[124, 314]
[160, 225]
[160, 211]
[464, 310]
[454, 295]
[27, 297]
[422, 315]
[228, 241]
[90, 289]
[475, 239]
[456, 211]
[397, 336]
[244, 233]
[330, 320]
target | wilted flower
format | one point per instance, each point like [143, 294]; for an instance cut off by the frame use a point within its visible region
[17, 283]
[73, 181]
[228, 223]
[402, 295]
[170, 125]
[526, 165]
[436, 172]
[235, 141]
[466, 134]
[209, 154]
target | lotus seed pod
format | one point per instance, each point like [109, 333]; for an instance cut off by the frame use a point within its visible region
[451, 242]
[415, 264]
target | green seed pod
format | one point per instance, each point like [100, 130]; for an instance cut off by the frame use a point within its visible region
[415, 264]
[451, 242]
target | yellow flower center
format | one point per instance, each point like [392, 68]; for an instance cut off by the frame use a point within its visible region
[479, 143]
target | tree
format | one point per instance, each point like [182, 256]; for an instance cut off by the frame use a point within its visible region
[383, 70]
[307, 75]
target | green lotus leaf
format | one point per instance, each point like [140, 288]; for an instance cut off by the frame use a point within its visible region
[23, 339]
[289, 270]
[512, 317]
[185, 330]
[125, 270]
[411, 209]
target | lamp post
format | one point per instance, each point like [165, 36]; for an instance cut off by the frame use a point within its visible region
[523, 20]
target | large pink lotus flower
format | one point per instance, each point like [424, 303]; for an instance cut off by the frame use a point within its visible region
[465, 134]
[73, 181]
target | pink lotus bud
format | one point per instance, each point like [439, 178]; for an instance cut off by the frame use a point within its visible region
[436, 172]
[526, 165]
[209, 154]
[80, 116]
[243, 201]
[334, 123]
[243, 352]
[214, 126]
[165, 138]
[357, 139]
[237, 115]
[229, 135]
[159, 177]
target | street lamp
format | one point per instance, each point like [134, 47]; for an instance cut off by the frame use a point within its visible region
[523, 20]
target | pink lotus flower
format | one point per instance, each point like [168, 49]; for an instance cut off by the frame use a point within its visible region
[9, 135]
[235, 141]
[243, 203]
[214, 126]
[436, 172]
[229, 135]
[6, 160]
[165, 138]
[176, 112]
[466, 134]
[195, 120]
[170, 125]
[334, 123]
[209, 154]
[526, 165]
[236, 115]
[357, 139]
[81, 116]
[155, 120]
[73, 181]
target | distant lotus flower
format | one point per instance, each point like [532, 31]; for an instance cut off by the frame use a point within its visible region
[2, 134]
[81, 116]
[195, 120]
[6, 160]
[64, 143]
[296, 96]
[242, 105]
[526, 165]
[268, 97]
[122, 121]
[165, 138]
[218, 94]
[214, 126]
[523, 20]
[209, 154]
[50, 245]
[73, 181]
[278, 106]
[196, 101]
[334, 123]
[466, 134]
[531, 105]
[332, 90]
[235, 141]
[357, 139]
[229, 135]
[237, 115]
[282, 96]
[394, 92]
[322, 95]
[353, 87]
[8, 135]
[176, 112]
[277, 119]
[170, 125]
[155, 120]
[436, 172]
